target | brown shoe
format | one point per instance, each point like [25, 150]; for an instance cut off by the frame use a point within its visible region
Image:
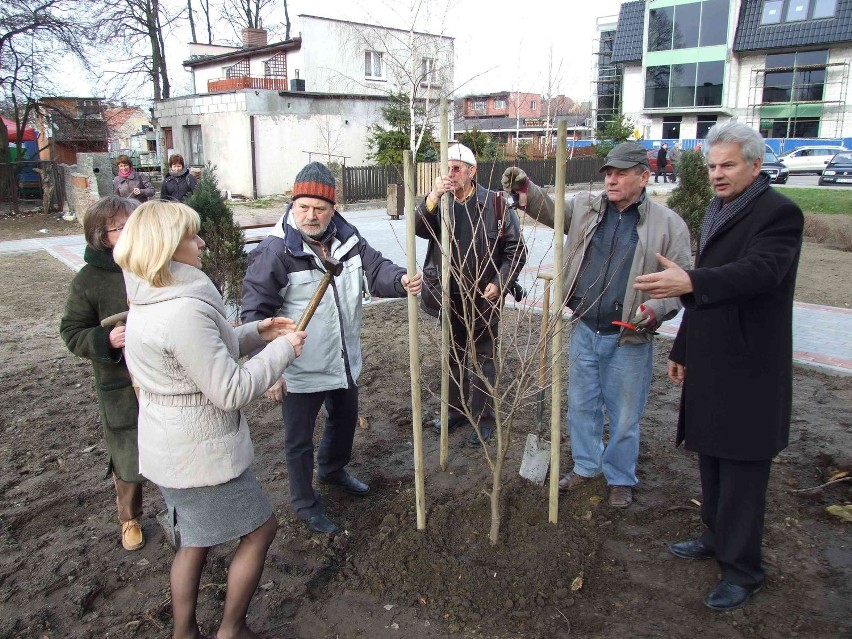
[571, 481]
[620, 496]
[131, 535]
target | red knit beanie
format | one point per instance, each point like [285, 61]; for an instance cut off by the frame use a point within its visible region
[314, 180]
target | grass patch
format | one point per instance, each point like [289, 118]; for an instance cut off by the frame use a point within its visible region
[834, 201]
[265, 202]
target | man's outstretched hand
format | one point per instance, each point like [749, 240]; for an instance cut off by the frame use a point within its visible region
[672, 282]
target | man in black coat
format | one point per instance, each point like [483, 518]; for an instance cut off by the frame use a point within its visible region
[662, 160]
[733, 355]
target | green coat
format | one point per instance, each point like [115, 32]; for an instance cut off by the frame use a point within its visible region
[98, 292]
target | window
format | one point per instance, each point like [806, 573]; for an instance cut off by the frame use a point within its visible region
[671, 127]
[427, 70]
[688, 25]
[772, 11]
[479, 105]
[795, 77]
[714, 22]
[196, 146]
[791, 127]
[796, 10]
[660, 27]
[687, 19]
[238, 70]
[684, 85]
[499, 104]
[823, 8]
[276, 66]
[168, 140]
[373, 66]
[532, 105]
[705, 123]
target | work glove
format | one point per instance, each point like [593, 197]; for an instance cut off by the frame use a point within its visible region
[514, 179]
[644, 319]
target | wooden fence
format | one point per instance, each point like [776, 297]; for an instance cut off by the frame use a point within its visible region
[25, 179]
[363, 183]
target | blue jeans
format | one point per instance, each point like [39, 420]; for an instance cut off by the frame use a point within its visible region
[618, 378]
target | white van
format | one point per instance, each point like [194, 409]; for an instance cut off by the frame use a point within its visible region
[809, 159]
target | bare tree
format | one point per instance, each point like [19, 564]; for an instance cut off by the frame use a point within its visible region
[208, 19]
[33, 36]
[248, 14]
[137, 26]
[191, 17]
[286, 21]
[331, 134]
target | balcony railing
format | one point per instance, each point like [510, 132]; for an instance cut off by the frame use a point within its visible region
[246, 82]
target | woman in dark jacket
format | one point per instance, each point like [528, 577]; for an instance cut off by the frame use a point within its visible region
[179, 183]
[98, 292]
[129, 183]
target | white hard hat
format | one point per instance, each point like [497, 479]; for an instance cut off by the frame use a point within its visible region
[461, 153]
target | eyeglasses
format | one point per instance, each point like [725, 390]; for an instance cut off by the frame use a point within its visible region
[118, 229]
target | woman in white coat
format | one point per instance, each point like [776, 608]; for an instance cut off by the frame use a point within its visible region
[194, 441]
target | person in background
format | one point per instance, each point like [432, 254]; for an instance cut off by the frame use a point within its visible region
[97, 292]
[662, 160]
[487, 253]
[675, 155]
[733, 355]
[282, 275]
[611, 237]
[179, 183]
[130, 183]
[194, 442]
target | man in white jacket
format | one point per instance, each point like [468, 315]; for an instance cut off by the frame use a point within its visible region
[282, 275]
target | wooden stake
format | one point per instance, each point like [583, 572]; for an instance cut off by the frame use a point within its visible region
[556, 312]
[445, 291]
[414, 344]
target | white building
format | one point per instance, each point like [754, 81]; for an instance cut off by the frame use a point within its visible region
[261, 112]
[782, 66]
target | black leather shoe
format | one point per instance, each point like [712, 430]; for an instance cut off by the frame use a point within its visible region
[692, 549]
[727, 596]
[322, 524]
[454, 421]
[347, 483]
[487, 430]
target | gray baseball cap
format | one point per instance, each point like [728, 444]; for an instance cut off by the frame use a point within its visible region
[625, 156]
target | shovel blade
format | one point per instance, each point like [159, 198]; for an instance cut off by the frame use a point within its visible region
[536, 459]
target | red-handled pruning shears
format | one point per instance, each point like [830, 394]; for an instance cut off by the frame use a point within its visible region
[633, 327]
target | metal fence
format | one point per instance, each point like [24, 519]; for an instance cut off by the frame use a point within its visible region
[32, 180]
[363, 183]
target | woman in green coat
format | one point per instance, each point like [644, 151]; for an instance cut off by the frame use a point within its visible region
[98, 292]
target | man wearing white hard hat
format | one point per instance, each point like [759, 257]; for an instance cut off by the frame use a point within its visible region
[486, 254]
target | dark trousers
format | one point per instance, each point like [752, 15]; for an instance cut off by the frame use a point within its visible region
[464, 381]
[660, 171]
[335, 451]
[128, 499]
[733, 510]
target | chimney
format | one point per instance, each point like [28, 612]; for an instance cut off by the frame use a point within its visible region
[254, 38]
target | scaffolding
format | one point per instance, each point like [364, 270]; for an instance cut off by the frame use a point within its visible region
[830, 109]
[606, 83]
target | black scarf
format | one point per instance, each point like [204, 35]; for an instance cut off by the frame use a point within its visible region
[719, 214]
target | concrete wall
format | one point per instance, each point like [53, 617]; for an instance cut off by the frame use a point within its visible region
[287, 128]
[333, 57]
[87, 181]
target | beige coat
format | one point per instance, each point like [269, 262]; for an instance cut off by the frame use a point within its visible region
[182, 351]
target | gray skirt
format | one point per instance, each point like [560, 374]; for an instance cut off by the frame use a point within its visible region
[211, 515]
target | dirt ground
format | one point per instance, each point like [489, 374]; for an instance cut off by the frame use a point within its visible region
[63, 573]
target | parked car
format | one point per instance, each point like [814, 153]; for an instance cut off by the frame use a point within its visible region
[809, 159]
[838, 170]
[777, 172]
[652, 158]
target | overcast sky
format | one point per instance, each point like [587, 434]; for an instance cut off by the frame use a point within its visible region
[499, 45]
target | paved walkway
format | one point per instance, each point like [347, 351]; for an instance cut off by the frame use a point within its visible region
[822, 335]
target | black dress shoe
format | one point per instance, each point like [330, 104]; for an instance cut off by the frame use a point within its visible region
[454, 421]
[727, 596]
[347, 483]
[322, 524]
[692, 549]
